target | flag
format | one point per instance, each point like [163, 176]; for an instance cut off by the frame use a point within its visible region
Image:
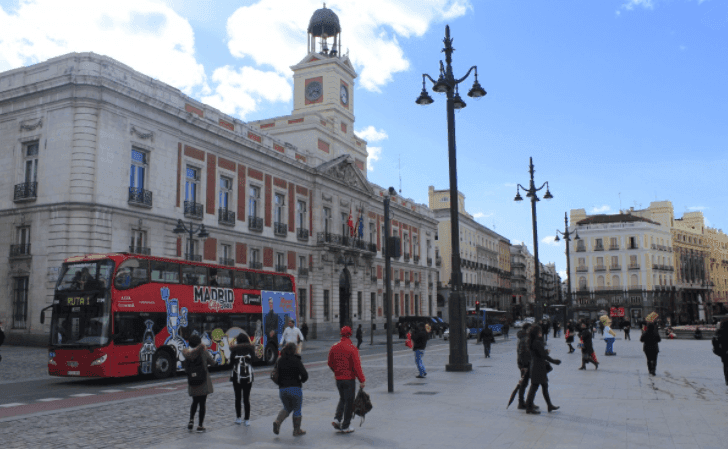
[361, 226]
[350, 224]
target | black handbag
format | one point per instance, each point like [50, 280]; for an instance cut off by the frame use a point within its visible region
[196, 372]
[549, 368]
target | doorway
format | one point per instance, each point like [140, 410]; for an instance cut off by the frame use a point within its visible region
[344, 298]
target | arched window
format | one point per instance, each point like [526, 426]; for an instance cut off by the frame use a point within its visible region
[582, 282]
[615, 282]
[600, 281]
[634, 280]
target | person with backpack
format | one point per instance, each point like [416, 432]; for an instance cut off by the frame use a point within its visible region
[344, 362]
[197, 358]
[291, 377]
[651, 339]
[720, 346]
[242, 354]
[419, 343]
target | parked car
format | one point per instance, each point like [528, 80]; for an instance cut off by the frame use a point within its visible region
[446, 334]
[518, 323]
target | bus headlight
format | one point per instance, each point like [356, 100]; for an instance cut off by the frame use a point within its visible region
[100, 360]
[52, 362]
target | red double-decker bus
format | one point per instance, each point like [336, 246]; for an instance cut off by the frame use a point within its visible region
[124, 314]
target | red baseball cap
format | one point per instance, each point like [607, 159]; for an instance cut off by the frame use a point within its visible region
[346, 331]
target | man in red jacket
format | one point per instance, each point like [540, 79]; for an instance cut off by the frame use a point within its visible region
[344, 362]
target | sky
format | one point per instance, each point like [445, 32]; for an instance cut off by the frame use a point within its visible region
[619, 102]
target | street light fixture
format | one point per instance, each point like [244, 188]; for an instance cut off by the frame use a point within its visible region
[192, 230]
[567, 238]
[448, 84]
[531, 192]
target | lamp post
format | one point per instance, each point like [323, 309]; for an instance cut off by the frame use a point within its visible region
[567, 238]
[448, 84]
[388, 290]
[531, 193]
[192, 230]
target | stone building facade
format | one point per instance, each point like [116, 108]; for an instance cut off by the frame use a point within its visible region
[97, 158]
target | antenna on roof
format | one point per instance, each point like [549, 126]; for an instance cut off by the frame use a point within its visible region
[620, 201]
[399, 163]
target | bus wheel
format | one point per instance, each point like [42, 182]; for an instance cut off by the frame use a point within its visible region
[271, 354]
[162, 364]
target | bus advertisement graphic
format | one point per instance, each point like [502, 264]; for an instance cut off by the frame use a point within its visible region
[278, 308]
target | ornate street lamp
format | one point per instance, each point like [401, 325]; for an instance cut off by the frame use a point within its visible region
[192, 230]
[531, 192]
[567, 238]
[448, 84]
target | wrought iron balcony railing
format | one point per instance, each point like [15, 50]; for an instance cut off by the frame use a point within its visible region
[256, 265]
[580, 249]
[140, 197]
[26, 191]
[255, 223]
[634, 266]
[396, 282]
[633, 247]
[193, 257]
[140, 250]
[303, 272]
[228, 262]
[302, 234]
[281, 268]
[374, 279]
[429, 261]
[613, 247]
[615, 267]
[280, 229]
[225, 216]
[193, 210]
[582, 269]
[438, 261]
[598, 248]
[327, 238]
[406, 257]
[20, 250]
[416, 258]
[600, 268]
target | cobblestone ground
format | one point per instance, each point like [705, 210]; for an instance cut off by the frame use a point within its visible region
[30, 362]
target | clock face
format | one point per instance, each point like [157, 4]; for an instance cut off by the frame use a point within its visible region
[344, 95]
[313, 91]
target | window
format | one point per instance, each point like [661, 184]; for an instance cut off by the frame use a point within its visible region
[31, 162]
[396, 304]
[344, 224]
[24, 239]
[415, 247]
[600, 261]
[227, 254]
[417, 305]
[191, 187]
[301, 262]
[254, 256]
[254, 196]
[194, 275]
[138, 169]
[280, 262]
[599, 243]
[372, 305]
[632, 242]
[302, 303]
[359, 304]
[131, 273]
[20, 302]
[301, 214]
[165, 272]
[615, 261]
[193, 246]
[278, 208]
[138, 241]
[223, 278]
[372, 232]
[326, 306]
[582, 261]
[613, 243]
[131, 328]
[226, 192]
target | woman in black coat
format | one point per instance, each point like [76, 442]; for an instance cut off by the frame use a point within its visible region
[291, 376]
[539, 370]
[569, 335]
[650, 339]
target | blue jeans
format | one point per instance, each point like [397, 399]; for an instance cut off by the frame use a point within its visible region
[292, 399]
[610, 342]
[418, 360]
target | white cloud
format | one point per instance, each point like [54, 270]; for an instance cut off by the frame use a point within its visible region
[600, 209]
[146, 35]
[238, 92]
[273, 32]
[632, 4]
[479, 215]
[371, 134]
[694, 208]
[550, 241]
[563, 274]
[374, 153]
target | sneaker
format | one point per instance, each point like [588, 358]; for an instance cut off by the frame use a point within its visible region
[247, 423]
[336, 424]
[348, 430]
[200, 429]
[239, 421]
[420, 377]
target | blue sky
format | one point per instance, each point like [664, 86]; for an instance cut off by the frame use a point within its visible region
[614, 99]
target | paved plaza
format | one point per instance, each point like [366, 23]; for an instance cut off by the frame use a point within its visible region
[618, 405]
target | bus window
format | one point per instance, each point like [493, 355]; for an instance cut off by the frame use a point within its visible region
[193, 275]
[166, 272]
[241, 280]
[224, 278]
[131, 273]
[244, 322]
[266, 282]
[129, 328]
[283, 284]
[253, 280]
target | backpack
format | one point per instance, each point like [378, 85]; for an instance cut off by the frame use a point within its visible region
[274, 373]
[196, 372]
[242, 369]
[362, 405]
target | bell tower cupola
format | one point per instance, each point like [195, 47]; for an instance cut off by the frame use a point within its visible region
[324, 25]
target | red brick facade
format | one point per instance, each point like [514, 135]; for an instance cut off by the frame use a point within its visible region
[194, 110]
[323, 146]
[210, 251]
[291, 208]
[268, 200]
[210, 193]
[194, 153]
[226, 164]
[268, 257]
[226, 125]
[242, 194]
[241, 253]
[291, 260]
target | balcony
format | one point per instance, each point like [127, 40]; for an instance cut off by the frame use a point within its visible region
[374, 279]
[20, 250]
[140, 250]
[633, 247]
[396, 282]
[25, 192]
[228, 262]
[255, 265]
[613, 247]
[429, 261]
[302, 234]
[193, 257]
[634, 266]
[600, 268]
[615, 268]
[417, 284]
[255, 223]
[430, 285]
[578, 270]
[416, 258]
[140, 197]
[598, 248]
[635, 288]
[406, 257]
[193, 210]
[580, 249]
[406, 283]
[438, 261]
[281, 268]
[280, 229]
[328, 239]
[225, 217]
[303, 272]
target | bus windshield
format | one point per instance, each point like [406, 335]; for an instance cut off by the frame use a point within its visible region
[81, 305]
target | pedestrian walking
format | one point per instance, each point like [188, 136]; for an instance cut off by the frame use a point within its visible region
[242, 354]
[610, 335]
[292, 334]
[419, 343]
[557, 326]
[587, 349]
[197, 358]
[486, 337]
[626, 328]
[359, 337]
[720, 346]
[545, 326]
[650, 346]
[569, 335]
[344, 362]
[304, 330]
[506, 328]
[523, 355]
[291, 377]
[539, 370]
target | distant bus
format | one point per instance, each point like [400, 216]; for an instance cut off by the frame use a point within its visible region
[476, 321]
[121, 314]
